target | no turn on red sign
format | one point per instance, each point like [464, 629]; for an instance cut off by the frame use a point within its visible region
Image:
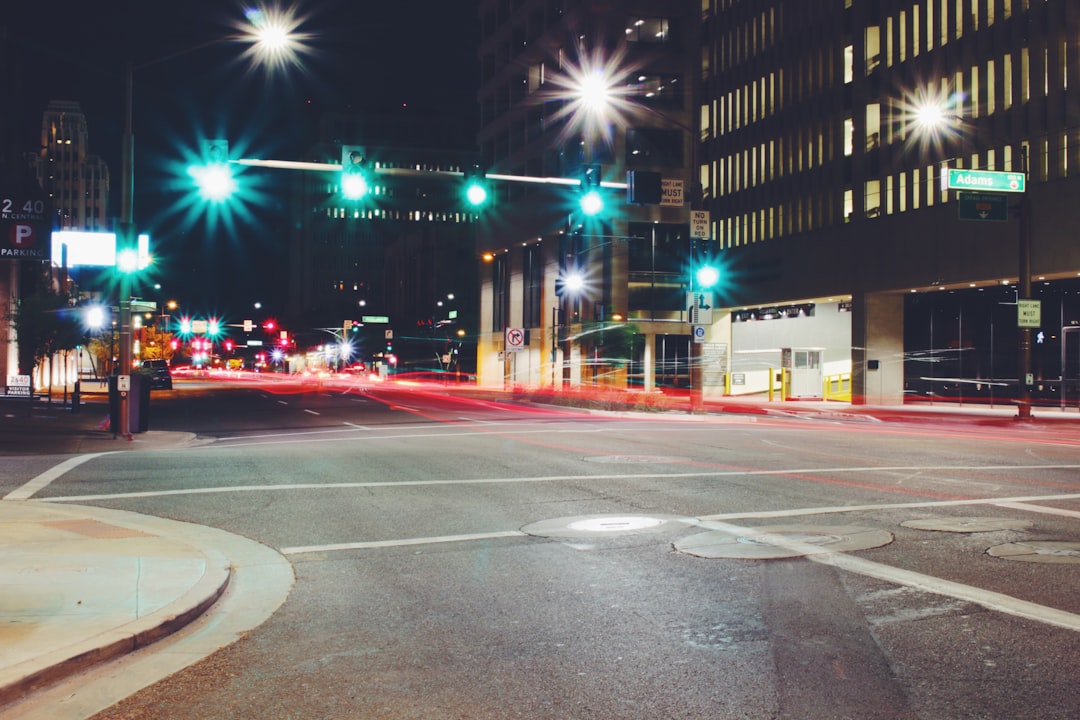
[515, 339]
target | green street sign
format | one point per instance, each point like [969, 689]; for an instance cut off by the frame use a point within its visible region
[984, 180]
[375, 319]
[983, 206]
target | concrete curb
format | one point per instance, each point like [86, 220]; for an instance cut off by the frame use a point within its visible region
[25, 678]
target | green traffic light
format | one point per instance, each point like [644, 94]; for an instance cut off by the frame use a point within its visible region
[476, 194]
[215, 181]
[592, 203]
[707, 276]
[354, 185]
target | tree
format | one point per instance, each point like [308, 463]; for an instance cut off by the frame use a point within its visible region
[45, 322]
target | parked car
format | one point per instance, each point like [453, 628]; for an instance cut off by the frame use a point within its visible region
[160, 377]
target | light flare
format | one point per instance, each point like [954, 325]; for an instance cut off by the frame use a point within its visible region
[274, 39]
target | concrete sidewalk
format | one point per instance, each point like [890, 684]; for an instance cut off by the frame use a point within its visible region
[83, 585]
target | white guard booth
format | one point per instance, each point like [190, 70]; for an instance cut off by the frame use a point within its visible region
[803, 366]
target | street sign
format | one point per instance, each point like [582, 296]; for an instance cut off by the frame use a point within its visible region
[375, 319]
[18, 385]
[699, 334]
[671, 192]
[1028, 313]
[954, 179]
[983, 206]
[25, 224]
[699, 307]
[249, 325]
[699, 224]
[515, 339]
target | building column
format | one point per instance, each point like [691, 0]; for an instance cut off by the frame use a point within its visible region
[649, 361]
[877, 349]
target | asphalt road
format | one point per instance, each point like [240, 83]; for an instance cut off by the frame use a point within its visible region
[460, 558]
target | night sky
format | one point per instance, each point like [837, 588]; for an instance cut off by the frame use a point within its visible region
[382, 58]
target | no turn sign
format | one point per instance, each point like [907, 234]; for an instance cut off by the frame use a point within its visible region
[515, 339]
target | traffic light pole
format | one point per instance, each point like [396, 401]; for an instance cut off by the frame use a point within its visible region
[697, 392]
[124, 247]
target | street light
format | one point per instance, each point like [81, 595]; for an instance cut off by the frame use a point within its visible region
[933, 120]
[272, 40]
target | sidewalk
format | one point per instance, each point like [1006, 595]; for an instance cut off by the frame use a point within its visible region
[83, 585]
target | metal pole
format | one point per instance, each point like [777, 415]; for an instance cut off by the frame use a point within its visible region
[125, 243]
[697, 392]
[1023, 403]
[554, 342]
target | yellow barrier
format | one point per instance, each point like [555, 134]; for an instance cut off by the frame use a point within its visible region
[782, 377]
[837, 387]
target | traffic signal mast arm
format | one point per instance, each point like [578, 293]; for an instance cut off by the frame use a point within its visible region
[412, 172]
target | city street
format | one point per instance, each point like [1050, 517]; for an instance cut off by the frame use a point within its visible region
[458, 557]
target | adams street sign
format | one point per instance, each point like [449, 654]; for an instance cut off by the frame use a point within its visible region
[983, 180]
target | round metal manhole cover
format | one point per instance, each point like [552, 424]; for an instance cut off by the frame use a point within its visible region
[1056, 553]
[967, 525]
[584, 526]
[783, 541]
[633, 459]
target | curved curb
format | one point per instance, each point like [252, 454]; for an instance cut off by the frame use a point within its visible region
[18, 681]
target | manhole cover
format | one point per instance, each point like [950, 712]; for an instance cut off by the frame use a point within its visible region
[1058, 553]
[967, 525]
[783, 541]
[584, 526]
[616, 524]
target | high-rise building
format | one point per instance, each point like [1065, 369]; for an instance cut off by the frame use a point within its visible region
[572, 95]
[832, 146]
[404, 253]
[76, 180]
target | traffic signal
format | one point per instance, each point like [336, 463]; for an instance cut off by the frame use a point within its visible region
[213, 327]
[214, 178]
[476, 189]
[355, 172]
[644, 188]
[707, 276]
[592, 202]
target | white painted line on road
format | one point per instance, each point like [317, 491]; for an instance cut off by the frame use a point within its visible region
[282, 402]
[306, 437]
[358, 427]
[927, 583]
[1039, 509]
[828, 510]
[310, 411]
[399, 543]
[32, 487]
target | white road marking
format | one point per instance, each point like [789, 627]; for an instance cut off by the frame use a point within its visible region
[986, 598]
[1039, 509]
[32, 487]
[310, 411]
[398, 543]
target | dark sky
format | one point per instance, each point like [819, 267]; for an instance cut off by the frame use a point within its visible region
[370, 57]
